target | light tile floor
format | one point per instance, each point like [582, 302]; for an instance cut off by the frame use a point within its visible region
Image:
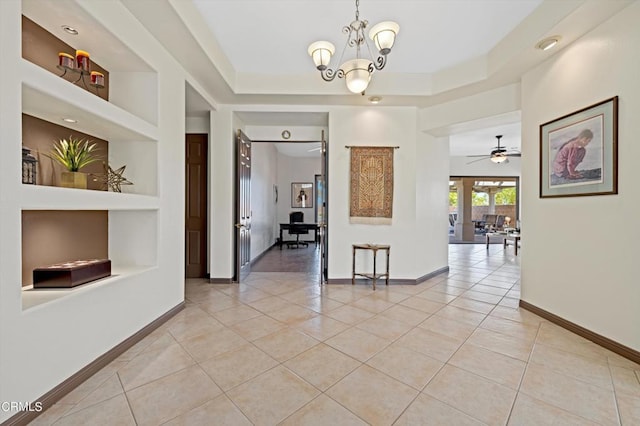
[279, 349]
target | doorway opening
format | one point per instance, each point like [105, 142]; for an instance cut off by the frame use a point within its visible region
[481, 204]
[288, 208]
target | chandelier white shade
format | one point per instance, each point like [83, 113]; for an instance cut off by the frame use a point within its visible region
[384, 35]
[356, 72]
[321, 53]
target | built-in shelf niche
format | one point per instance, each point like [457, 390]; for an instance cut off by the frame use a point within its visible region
[42, 48]
[39, 136]
[132, 84]
[54, 236]
[127, 237]
[132, 141]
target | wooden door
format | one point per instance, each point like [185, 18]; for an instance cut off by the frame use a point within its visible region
[196, 206]
[243, 207]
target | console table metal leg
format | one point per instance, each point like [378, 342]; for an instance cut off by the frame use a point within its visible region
[387, 281]
[375, 254]
[353, 267]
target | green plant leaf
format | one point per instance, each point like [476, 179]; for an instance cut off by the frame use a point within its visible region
[74, 154]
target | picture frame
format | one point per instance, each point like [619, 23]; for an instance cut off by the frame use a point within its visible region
[579, 152]
[301, 195]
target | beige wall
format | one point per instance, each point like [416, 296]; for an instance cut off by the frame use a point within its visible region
[578, 258]
[50, 237]
[40, 135]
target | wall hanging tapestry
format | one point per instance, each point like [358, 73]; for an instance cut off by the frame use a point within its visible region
[371, 185]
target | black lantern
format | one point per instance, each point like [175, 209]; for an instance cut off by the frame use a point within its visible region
[28, 166]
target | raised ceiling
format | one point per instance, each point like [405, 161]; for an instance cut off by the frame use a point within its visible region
[255, 51]
[271, 37]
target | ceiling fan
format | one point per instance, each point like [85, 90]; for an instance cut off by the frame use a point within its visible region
[499, 154]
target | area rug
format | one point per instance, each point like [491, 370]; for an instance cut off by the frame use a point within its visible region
[371, 185]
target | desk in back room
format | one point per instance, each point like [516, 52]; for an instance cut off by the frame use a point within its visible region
[299, 225]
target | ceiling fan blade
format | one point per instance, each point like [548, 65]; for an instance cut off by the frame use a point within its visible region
[481, 155]
[514, 154]
[485, 157]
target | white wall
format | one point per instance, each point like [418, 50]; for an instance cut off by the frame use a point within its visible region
[274, 133]
[197, 125]
[432, 202]
[224, 125]
[578, 256]
[375, 126]
[442, 119]
[264, 163]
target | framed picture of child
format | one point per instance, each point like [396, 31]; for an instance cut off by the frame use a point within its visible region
[301, 195]
[579, 152]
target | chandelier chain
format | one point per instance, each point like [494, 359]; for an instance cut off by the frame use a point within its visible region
[357, 10]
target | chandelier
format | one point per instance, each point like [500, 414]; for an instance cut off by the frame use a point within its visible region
[356, 72]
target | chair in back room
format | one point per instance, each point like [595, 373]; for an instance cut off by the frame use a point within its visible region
[297, 217]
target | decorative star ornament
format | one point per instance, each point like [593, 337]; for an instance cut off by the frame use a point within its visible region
[112, 179]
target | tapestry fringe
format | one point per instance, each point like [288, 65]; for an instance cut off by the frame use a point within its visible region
[370, 220]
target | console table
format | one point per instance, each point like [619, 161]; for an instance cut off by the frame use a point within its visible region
[488, 235]
[374, 276]
[516, 240]
[508, 238]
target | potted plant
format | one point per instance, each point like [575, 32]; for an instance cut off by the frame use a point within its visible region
[73, 154]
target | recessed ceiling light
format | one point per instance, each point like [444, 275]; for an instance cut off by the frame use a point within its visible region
[70, 29]
[548, 43]
[375, 99]
[69, 120]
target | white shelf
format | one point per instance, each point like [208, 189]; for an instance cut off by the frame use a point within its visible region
[32, 298]
[48, 97]
[40, 197]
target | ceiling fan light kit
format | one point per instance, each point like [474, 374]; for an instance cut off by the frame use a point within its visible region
[498, 155]
[356, 72]
[499, 158]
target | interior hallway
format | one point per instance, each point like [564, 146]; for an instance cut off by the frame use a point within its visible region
[279, 349]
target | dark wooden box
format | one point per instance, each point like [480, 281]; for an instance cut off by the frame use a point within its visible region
[71, 274]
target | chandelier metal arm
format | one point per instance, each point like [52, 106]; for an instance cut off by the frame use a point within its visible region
[379, 63]
[329, 74]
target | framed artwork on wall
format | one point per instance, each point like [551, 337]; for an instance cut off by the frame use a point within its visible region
[579, 152]
[301, 194]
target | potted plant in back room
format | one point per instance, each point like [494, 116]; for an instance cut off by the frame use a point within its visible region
[73, 154]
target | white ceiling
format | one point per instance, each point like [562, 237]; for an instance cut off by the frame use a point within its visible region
[482, 141]
[272, 36]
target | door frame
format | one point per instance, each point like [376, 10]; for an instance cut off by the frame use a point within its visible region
[323, 232]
